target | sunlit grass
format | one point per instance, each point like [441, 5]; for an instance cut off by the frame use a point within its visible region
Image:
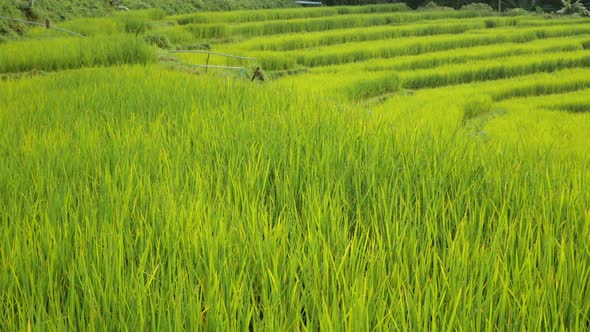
[65, 53]
[403, 180]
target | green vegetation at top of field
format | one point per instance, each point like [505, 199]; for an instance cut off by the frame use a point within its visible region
[389, 170]
[274, 27]
[121, 22]
[60, 10]
[283, 14]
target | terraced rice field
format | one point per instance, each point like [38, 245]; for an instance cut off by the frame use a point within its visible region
[395, 170]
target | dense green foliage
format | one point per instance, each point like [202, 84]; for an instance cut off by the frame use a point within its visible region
[399, 170]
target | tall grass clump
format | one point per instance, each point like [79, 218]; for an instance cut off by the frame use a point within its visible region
[274, 62]
[208, 31]
[67, 53]
[137, 21]
[476, 106]
[368, 88]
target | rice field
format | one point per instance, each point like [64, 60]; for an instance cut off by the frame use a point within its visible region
[395, 170]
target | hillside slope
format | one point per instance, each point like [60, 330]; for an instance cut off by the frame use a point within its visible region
[58, 10]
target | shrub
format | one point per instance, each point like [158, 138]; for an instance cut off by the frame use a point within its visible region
[433, 6]
[158, 40]
[576, 8]
[518, 12]
[478, 7]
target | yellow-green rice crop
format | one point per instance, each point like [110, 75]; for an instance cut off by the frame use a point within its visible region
[66, 53]
[274, 27]
[201, 208]
[408, 179]
[454, 26]
[362, 51]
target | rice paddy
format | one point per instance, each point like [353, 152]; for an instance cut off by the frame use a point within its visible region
[395, 170]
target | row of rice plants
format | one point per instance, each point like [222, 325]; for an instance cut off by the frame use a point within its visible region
[203, 203]
[522, 87]
[341, 88]
[559, 122]
[438, 27]
[178, 36]
[134, 21]
[537, 84]
[572, 98]
[366, 86]
[358, 86]
[548, 85]
[67, 53]
[497, 52]
[581, 106]
[429, 60]
[508, 123]
[362, 51]
[492, 69]
[284, 14]
[265, 28]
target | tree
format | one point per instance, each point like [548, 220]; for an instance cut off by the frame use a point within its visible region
[570, 8]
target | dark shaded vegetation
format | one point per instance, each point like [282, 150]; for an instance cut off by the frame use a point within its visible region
[546, 5]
